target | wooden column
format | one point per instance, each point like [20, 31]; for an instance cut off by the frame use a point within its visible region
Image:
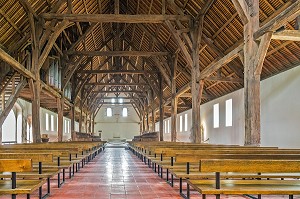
[60, 120]
[73, 133]
[80, 116]
[254, 54]
[196, 32]
[174, 100]
[0, 134]
[161, 109]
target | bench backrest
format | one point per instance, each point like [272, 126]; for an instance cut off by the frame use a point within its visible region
[198, 158]
[250, 165]
[35, 157]
[15, 165]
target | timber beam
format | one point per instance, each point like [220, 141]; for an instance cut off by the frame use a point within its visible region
[118, 53]
[281, 19]
[291, 35]
[15, 64]
[119, 18]
[118, 71]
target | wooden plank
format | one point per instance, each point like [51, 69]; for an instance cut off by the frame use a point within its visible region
[15, 64]
[281, 19]
[118, 53]
[120, 18]
[15, 165]
[292, 35]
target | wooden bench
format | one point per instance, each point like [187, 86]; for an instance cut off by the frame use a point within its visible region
[14, 186]
[38, 173]
[218, 186]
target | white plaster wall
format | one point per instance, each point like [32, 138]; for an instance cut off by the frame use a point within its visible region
[9, 128]
[117, 125]
[280, 114]
[280, 110]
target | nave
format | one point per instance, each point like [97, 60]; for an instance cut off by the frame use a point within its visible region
[117, 173]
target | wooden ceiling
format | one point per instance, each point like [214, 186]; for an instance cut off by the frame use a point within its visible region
[143, 48]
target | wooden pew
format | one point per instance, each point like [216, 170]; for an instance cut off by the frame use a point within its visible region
[14, 186]
[219, 186]
[195, 161]
[39, 172]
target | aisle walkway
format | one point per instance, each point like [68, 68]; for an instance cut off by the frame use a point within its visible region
[115, 174]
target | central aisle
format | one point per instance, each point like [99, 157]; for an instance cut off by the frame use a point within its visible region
[115, 173]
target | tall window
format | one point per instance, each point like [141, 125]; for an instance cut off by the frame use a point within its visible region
[228, 112]
[52, 122]
[165, 126]
[121, 100]
[185, 122]
[216, 116]
[109, 112]
[65, 125]
[180, 123]
[68, 126]
[125, 112]
[47, 122]
[169, 127]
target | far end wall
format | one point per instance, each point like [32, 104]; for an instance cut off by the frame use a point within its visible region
[117, 125]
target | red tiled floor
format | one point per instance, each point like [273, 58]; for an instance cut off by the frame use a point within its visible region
[116, 174]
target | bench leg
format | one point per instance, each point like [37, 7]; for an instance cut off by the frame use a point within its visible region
[48, 185]
[70, 172]
[259, 196]
[64, 175]
[203, 196]
[172, 180]
[291, 196]
[218, 196]
[40, 192]
[167, 175]
[187, 190]
[58, 179]
[28, 196]
[180, 186]
[13, 196]
[74, 169]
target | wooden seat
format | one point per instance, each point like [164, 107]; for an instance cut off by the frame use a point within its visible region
[236, 187]
[14, 186]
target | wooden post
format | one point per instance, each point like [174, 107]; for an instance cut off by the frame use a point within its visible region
[161, 109]
[73, 133]
[174, 100]
[60, 115]
[196, 32]
[254, 54]
[0, 134]
[36, 133]
[80, 116]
